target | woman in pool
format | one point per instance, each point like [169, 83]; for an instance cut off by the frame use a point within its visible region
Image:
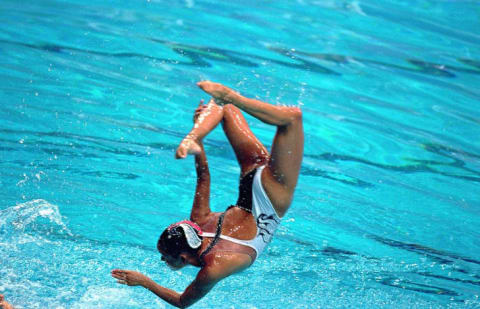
[4, 304]
[222, 244]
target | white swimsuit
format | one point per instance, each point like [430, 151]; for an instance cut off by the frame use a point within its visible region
[265, 216]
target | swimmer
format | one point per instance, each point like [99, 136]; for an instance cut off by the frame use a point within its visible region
[222, 244]
[4, 304]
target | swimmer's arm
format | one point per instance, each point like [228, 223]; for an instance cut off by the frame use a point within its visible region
[201, 202]
[202, 284]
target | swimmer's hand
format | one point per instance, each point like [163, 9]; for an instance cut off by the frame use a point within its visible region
[223, 95]
[130, 277]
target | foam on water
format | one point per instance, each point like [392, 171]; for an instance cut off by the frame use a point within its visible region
[24, 228]
[29, 222]
[99, 296]
[40, 256]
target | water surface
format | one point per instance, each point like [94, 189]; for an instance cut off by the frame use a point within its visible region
[96, 97]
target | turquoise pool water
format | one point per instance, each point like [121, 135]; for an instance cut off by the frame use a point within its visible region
[95, 98]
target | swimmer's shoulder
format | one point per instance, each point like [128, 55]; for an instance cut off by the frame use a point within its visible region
[209, 222]
[223, 264]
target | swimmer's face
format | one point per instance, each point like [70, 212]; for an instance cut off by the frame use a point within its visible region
[174, 263]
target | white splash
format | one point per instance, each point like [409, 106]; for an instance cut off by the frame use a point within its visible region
[106, 297]
[27, 218]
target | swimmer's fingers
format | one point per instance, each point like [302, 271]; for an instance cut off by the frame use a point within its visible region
[129, 277]
[120, 275]
[118, 272]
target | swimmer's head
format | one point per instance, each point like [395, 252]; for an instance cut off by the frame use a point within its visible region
[179, 242]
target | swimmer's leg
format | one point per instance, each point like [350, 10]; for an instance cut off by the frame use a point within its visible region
[287, 149]
[249, 151]
[206, 118]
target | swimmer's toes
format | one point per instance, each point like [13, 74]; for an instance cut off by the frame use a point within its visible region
[205, 85]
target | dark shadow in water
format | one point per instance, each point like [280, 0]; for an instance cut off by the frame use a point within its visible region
[337, 254]
[83, 142]
[428, 274]
[424, 166]
[110, 174]
[345, 179]
[470, 62]
[420, 66]
[198, 53]
[84, 150]
[389, 278]
[201, 55]
[449, 152]
[417, 287]
[85, 146]
[440, 256]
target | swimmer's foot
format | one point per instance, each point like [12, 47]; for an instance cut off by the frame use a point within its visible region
[4, 304]
[222, 94]
[189, 145]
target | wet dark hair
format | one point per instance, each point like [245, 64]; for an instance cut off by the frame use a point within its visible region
[173, 242]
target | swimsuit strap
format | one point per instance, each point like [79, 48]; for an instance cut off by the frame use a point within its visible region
[241, 207]
[215, 239]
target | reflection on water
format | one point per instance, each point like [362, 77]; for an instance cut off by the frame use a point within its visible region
[420, 166]
[199, 56]
[409, 275]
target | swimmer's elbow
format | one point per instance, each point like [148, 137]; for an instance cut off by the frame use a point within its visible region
[182, 303]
